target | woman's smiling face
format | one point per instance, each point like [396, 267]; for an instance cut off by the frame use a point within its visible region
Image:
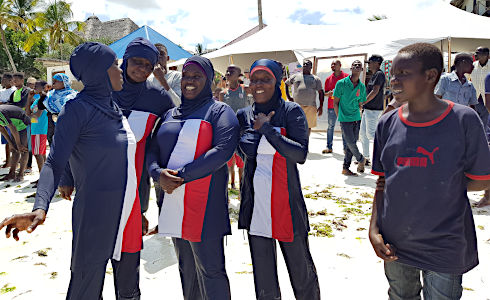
[262, 86]
[193, 81]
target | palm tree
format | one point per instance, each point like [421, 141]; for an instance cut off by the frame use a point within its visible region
[54, 24]
[25, 10]
[9, 20]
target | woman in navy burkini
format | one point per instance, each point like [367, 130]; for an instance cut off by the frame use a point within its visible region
[93, 135]
[188, 155]
[274, 139]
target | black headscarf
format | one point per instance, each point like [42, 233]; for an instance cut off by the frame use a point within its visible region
[275, 69]
[189, 106]
[131, 92]
[89, 63]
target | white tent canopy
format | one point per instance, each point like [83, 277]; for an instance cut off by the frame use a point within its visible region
[288, 43]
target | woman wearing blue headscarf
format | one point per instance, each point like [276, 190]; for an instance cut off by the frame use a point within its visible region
[188, 156]
[142, 104]
[274, 139]
[61, 93]
[95, 138]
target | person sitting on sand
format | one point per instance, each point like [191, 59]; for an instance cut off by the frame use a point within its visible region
[274, 140]
[428, 154]
[16, 120]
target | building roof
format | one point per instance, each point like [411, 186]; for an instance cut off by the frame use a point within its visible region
[245, 35]
[112, 30]
[174, 51]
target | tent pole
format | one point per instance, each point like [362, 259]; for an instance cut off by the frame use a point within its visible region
[449, 54]
[231, 60]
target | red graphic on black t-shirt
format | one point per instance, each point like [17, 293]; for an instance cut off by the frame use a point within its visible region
[420, 162]
[429, 154]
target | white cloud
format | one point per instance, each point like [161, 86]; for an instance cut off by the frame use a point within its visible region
[215, 22]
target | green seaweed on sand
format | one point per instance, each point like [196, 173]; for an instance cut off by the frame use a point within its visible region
[367, 195]
[481, 227]
[322, 230]
[344, 255]
[53, 275]
[233, 192]
[42, 252]
[6, 289]
[244, 272]
[20, 257]
[3, 273]
[41, 264]
[353, 210]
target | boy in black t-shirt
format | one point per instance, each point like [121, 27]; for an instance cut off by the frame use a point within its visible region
[16, 120]
[428, 154]
[19, 97]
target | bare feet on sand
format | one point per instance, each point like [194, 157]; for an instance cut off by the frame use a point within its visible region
[7, 177]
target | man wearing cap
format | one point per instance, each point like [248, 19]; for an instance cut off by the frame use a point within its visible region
[373, 107]
[31, 82]
[480, 71]
[306, 85]
[236, 97]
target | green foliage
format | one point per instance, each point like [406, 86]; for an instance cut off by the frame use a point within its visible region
[25, 61]
[54, 24]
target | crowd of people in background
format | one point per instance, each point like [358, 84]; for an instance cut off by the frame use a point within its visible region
[187, 131]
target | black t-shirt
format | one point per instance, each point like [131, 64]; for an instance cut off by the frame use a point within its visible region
[425, 213]
[14, 115]
[377, 79]
[24, 94]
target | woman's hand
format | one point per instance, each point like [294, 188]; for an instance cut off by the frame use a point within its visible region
[261, 118]
[65, 192]
[169, 180]
[22, 222]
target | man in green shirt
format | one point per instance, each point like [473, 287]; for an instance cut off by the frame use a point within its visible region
[16, 120]
[348, 96]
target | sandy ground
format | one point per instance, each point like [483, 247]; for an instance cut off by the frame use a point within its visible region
[37, 267]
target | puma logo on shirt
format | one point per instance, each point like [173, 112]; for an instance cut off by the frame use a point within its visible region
[420, 162]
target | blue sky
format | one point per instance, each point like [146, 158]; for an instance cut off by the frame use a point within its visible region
[215, 22]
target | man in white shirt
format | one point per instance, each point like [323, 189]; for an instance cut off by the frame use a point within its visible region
[168, 79]
[7, 89]
[480, 71]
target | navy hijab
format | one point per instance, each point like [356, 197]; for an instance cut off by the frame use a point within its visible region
[131, 92]
[89, 63]
[270, 66]
[188, 106]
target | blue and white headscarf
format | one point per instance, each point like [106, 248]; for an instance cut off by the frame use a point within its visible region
[57, 98]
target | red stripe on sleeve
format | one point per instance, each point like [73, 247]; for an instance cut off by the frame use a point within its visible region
[477, 177]
[377, 173]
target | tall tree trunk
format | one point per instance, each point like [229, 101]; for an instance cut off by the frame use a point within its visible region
[4, 42]
[259, 6]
